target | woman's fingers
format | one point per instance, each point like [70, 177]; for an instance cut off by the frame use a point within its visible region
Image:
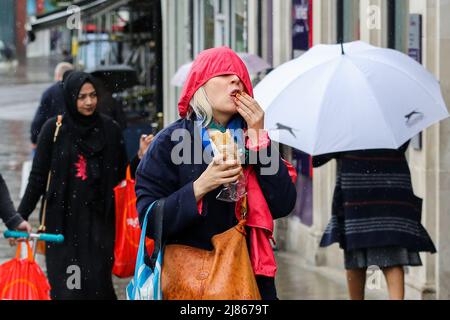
[250, 103]
[250, 110]
[231, 173]
[244, 105]
[228, 165]
[226, 181]
[13, 242]
[244, 111]
[246, 99]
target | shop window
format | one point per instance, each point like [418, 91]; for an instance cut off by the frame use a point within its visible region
[221, 23]
[348, 23]
[397, 24]
[208, 24]
[239, 25]
[301, 26]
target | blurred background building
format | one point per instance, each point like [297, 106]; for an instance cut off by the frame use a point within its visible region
[104, 36]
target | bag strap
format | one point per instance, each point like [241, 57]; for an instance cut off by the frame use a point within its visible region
[142, 247]
[128, 174]
[244, 208]
[158, 228]
[30, 256]
[49, 178]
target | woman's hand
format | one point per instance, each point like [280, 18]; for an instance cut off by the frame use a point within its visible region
[219, 172]
[252, 113]
[144, 144]
[24, 226]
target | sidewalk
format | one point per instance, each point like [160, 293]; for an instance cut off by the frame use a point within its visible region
[296, 280]
[37, 70]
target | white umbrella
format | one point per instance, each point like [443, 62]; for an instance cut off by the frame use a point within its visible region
[253, 62]
[347, 97]
[181, 75]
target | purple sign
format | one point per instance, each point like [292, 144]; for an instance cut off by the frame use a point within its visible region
[300, 25]
[415, 37]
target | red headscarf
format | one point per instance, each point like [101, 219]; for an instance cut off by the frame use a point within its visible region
[209, 64]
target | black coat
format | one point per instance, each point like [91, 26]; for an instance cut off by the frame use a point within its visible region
[79, 209]
[7, 212]
[158, 177]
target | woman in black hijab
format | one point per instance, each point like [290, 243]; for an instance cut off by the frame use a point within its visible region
[87, 161]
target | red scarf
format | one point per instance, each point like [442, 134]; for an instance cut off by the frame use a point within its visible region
[260, 221]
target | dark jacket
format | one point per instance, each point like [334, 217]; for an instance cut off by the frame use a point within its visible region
[54, 157]
[7, 212]
[374, 204]
[52, 104]
[159, 178]
[80, 206]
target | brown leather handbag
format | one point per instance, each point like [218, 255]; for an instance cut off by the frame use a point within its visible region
[225, 273]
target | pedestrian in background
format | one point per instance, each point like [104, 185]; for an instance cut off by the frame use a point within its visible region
[87, 161]
[218, 95]
[52, 102]
[376, 218]
[67, 57]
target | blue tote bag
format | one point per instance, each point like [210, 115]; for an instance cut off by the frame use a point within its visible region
[146, 283]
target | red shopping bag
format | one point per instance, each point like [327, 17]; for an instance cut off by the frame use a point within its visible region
[128, 231]
[23, 279]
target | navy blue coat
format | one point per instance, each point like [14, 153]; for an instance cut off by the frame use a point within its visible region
[157, 178]
[52, 104]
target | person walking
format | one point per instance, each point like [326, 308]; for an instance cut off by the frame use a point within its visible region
[87, 160]
[376, 218]
[52, 102]
[217, 97]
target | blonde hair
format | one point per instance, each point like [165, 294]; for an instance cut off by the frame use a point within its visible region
[201, 107]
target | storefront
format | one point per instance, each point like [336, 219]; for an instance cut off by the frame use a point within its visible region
[193, 26]
[302, 25]
[220, 23]
[101, 33]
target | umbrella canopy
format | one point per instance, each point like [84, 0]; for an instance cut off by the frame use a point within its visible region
[253, 63]
[180, 76]
[347, 97]
[116, 78]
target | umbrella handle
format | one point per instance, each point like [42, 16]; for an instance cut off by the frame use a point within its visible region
[57, 238]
